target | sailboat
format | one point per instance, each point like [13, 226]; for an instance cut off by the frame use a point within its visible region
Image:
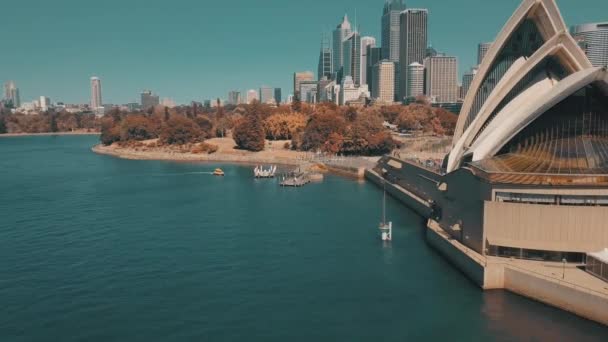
[386, 228]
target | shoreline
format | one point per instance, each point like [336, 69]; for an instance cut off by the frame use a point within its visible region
[15, 135]
[248, 158]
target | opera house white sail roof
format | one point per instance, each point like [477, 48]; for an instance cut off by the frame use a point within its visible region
[536, 102]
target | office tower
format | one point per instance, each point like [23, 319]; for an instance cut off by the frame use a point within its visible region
[341, 32]
[413, 45]
[350, 92]
[278, 96]
[11, 94]
[252, 95]
[441, 78]
[351, 65]
[299, 77]
[374, 55]
[234, 97]
[467, 79]
[44, 103]
[593, 39]
[384, 82]
[325, 68]
[309, 91]
[96, 101]
[391, 29]
[366, 44]
[415, 80]
[267, 95]
[482, 50]
[149, 100]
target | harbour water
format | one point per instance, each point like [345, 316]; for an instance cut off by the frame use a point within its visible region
[94, 248]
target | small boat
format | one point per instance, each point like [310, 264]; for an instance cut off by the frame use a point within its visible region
[218, 172]
[260, 172]
[386, 228]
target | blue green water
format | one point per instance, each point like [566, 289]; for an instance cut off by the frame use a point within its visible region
[94, 248]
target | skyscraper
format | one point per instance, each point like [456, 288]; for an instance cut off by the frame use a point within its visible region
[149, 100]
[299, 77]
[593, 39]
[252, 95]
[341, 32]
[366, 44]
[278, 96]
[45, 103]
[96, 101]
[482, 50]
[391, 29]
[374, 55]
[441, 78]
[234, 97]
[309, 91]
[467, 79]
[267, 95]
[415, 80]
[11, 94]
[413, 45]
[384, 81]
[351, 52]
[325, 68]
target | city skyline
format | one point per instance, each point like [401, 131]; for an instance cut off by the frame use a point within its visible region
[181, 62]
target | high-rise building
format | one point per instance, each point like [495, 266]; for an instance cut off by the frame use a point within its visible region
[299, 77]
[414, 43]
[350, 92]
[252, 95]
[309, 91]
[351, 65]
[44, 103]
[415, 80]
[384, 82]
[482, 50]
[325, 68]
[278, 97]
[234, 97]
[341, 32]
[391, 29]
[593, 39]
[467, 79]
[374, 55]
[366, 44]
[96, 101]
[441, 78]
[11, 94]
[267, 95]
[149, 100]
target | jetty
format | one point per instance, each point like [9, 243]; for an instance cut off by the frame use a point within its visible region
[295, 180]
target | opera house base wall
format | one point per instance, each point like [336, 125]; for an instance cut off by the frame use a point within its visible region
[500, 273]
[577, 301]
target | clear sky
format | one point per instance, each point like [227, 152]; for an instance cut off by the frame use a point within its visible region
[198, 49]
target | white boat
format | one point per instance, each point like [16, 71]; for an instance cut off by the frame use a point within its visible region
[260, 172]
[386, 228]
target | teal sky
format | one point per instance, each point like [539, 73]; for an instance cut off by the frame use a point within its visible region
[199, 49]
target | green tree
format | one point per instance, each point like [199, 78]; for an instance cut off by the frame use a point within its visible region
[296, 104]
[179, 130]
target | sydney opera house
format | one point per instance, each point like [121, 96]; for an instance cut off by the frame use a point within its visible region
[527, 176]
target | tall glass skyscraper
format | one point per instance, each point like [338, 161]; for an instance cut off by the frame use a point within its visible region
[11, 94]
[374, 55]
[340, 34]
[325, 68]
[593, 39]
[366, 44]
[351, 51]
[391, 29]
[96, 93]
[414, 42]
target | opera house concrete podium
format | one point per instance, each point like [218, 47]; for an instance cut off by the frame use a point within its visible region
[526, 182]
